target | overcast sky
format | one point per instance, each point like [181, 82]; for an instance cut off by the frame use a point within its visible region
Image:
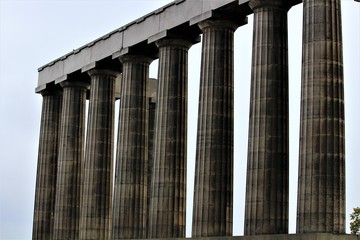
[33, 33]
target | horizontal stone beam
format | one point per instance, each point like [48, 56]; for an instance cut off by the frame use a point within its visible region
[140, 31]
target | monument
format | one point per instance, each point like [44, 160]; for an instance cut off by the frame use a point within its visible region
[76, 196]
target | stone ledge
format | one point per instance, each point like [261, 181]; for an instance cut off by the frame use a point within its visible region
[308, 236]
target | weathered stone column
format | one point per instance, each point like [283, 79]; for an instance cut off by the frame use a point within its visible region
[151, 138]
[267, 193]
[151, 101]
[321, 192]
[70, 161]
[168, 196]
[47, 165]
[96, 212]
[213, 193]
[130, 212]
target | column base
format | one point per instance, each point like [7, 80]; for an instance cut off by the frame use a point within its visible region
[304, 236]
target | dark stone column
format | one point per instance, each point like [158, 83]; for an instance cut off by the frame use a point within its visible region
[151, 138]
[47, 165]
[321, 192]
[151, 100]
[168, 196]
[267, 184]
[96, 212]
[70, 161]
[213, 193]
[130, 212]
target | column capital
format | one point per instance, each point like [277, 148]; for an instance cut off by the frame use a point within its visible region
[69, 83]
[255, 4]
[217, 24]
[97, 71]
[135, 59]
[175, 42]
[51, 92]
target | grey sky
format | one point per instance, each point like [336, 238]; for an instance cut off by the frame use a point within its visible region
[33, 33]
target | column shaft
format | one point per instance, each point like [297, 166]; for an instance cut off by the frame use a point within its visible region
[47, 165]
[151, 139]
[321, 192]
[151, 100]
[213, 193]
[70, 161]
[130, 213]
[266, 206]
[96, 212]
[168, 197]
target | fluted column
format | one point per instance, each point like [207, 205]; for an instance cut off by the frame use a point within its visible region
[70, 161]
[47, 165]
[213, 193]
[168, 197]
[267, 193]
[151, 138]
[130, 213]
[321, 192]
[96, 212]
[151, 100]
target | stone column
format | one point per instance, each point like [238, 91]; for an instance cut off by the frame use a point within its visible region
[267, 193]
[151, 138]
[321, 191]
[96, 212]
[213, 193]
[70, 161]
[151, 101]
[130, 212]
[47, 165]
[168, 196]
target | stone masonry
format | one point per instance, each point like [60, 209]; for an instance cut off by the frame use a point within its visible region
[266, 206]
[81, 194]
[168, 198]
[321, 192]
